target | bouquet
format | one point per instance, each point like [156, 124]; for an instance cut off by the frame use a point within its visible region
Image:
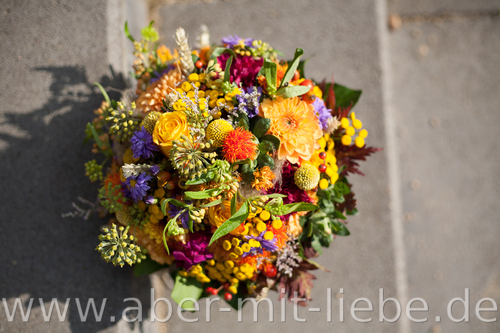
[225, 164]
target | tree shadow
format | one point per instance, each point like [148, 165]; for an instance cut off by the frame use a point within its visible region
[42, 173]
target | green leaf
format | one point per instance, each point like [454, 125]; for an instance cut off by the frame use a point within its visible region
[195, 58]
[292, 91]
[265, 160]
[204, 178]
[173, 202]
[242, 121]
[271, 138]
[316, 245]
[301, 66]
[345, 97]
[339, 228]
[245, 161]
[127, 32]
[104, 93]
[95, 135]
[227, 71]
[232, 223]
[147, 266]
[198, 195]
[233, 204]
[274, 195]
[164, 236]
[219, 50]
[270, 72]
[339, 215]
[213, 203]
[352, 212]
[290, 72]
[266, 146]
[290, 208]
[186, 287]
[342, 187]
[318, 216]
[261, 127]
[339, 199]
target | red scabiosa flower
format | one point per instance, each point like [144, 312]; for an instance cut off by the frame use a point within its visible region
[239, 145]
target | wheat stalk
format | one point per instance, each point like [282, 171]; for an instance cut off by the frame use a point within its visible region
[187, 65]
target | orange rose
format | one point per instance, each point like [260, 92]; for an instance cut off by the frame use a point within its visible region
[169, 127]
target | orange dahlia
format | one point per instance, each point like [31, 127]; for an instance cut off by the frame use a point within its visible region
[294, 122]
[239, 145]
[152, 98]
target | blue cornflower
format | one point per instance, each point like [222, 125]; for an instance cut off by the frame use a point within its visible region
[322, 112]
[142, 144]
[154, 169]
[136, 187]
[232, 41]
[249, 101]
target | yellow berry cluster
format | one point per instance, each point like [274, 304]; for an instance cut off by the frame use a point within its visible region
[155, 211]
[234, 248]
[197, 272]
[217, 97]
[227, 271]
[351, 131]
[258, 222]
[192, 94]
[327, 145]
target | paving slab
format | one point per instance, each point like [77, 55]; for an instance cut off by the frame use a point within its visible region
[51, 53]
[446, 97]
[430, 7]
[341, 40]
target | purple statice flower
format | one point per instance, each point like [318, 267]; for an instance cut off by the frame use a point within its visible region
[231, 41]
[154, 169]
[136, 187]
[174, 210]
[244, 69]
[322, 112]
[142, 144]
[194, 252]
[249, 101]
[268, 245]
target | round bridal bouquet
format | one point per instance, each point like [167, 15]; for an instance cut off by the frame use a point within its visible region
[227, 164]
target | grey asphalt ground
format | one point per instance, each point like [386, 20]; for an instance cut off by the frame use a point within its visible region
[428, 222]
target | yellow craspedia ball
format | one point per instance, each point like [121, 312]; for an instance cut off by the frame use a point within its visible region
[217, 131]
[306, 177]
[150, 120]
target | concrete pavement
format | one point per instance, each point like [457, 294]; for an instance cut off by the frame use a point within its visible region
[428, 204]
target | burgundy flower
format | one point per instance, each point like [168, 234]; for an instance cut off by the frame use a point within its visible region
[288, 187]
[194, 252]
[243, 69]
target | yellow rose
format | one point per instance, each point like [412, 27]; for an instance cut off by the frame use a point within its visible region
[169, 127]
[220, 213]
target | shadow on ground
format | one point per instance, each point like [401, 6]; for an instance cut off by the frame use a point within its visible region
[42, 173]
